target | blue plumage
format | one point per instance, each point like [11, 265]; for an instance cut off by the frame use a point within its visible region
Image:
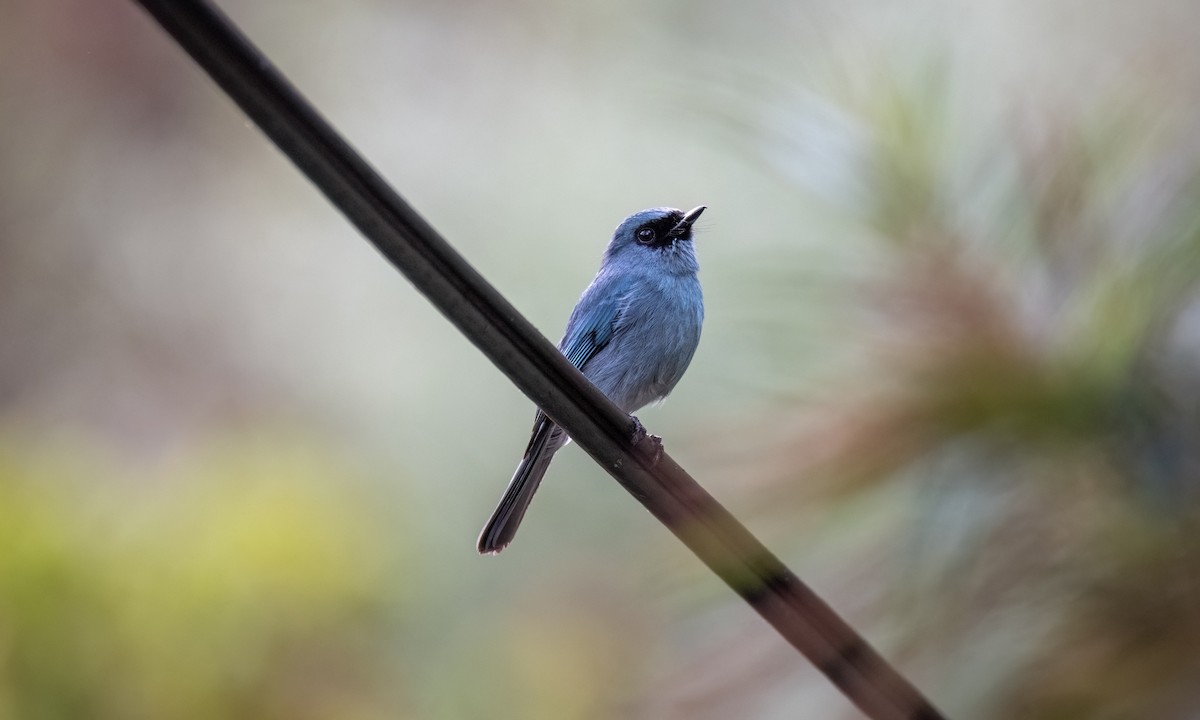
[632, 334]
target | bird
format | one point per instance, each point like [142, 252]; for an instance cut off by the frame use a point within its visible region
[632, 334]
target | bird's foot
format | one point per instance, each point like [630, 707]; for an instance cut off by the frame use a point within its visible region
[641, 439]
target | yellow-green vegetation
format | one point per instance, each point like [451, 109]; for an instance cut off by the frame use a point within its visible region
[247, 581]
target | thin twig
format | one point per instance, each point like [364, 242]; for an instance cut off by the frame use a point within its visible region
[534, 365]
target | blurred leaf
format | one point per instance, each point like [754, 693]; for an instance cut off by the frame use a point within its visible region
[248, 585]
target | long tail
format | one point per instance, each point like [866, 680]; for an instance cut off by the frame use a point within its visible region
[502, 527]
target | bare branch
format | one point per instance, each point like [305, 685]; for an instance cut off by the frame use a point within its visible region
[533, 364]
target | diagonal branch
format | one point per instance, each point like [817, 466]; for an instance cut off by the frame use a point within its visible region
[533, 364]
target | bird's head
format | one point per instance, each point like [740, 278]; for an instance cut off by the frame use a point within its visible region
[657, 237]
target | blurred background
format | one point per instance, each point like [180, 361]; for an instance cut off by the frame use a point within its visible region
[950, 370]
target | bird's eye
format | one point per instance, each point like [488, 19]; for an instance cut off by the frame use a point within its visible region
[645, 236]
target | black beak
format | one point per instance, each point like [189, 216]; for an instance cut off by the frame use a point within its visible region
[685, 224]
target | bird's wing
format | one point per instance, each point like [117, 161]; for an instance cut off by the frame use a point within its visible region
[595, 319]
[592, 325]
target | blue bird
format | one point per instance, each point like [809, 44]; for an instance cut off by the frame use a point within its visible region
[632, 334]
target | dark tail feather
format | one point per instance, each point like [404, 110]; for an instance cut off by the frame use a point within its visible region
[502, 527]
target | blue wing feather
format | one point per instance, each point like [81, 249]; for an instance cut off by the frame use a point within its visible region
[594, 321]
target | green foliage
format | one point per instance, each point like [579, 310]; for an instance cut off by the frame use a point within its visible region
[1034, 396]
[240, 584]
